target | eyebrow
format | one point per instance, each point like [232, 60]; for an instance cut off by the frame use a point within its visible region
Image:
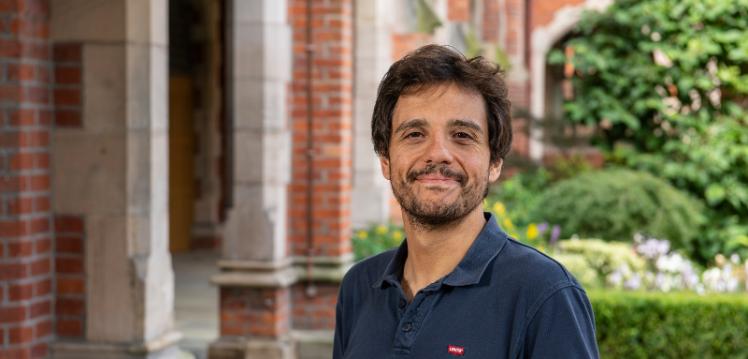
[465, 123]
[421, 123]
[414, 123]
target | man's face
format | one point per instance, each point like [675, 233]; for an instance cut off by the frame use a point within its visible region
[439, 159]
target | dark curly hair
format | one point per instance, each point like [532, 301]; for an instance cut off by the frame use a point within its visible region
[433, 65]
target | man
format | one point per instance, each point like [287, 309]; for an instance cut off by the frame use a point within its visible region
[457, 286]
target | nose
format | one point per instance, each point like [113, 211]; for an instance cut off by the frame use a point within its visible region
[438, 151]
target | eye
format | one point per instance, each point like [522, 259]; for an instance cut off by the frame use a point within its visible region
[463, 135]
[414, 134]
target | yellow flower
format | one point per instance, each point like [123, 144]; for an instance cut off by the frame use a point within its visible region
[507, 223]
[397, 235]
[381, 230]
[532, 231]
[499, 209]
[362, 234]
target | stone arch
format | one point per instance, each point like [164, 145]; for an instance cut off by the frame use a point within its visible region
[543, 39]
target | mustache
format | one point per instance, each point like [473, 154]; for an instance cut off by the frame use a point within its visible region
[441, 169]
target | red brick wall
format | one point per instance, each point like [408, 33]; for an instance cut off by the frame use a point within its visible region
[402, 44]
[25, 236]
[332, 99]
[458, 10]
[544, 11]
[315, 311]
[255, 312]
[515, 17]
[67, 88]
[491, 20]
[70, 304]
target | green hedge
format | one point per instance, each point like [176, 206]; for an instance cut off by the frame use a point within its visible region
[670, 325]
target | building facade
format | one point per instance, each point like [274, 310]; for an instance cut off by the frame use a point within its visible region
[131, 129]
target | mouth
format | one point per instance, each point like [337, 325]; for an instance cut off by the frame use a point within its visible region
[435, 179]
[436, 176]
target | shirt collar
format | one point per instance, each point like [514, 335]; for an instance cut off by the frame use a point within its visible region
[485, 248]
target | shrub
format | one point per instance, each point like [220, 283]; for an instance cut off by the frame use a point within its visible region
[376, 239]
[635, 325]
[519, 194]
[614, 204]
[578, 265]
[602, 256]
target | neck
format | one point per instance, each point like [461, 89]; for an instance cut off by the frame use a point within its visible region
[434, 252]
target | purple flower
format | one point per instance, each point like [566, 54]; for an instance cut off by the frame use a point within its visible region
[555, 234]
[542, 227]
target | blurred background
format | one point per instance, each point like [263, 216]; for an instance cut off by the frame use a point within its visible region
[193, 178]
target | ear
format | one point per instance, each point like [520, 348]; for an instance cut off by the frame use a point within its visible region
[384, 163]
[494, 170]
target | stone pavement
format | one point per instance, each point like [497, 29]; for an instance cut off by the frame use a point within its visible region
[195, 301]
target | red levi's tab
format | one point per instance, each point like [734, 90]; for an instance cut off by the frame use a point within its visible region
[455, 350]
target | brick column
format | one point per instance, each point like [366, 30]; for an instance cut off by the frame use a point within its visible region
[26, 297]
[110, 185]
[256, 272]
[323, 254]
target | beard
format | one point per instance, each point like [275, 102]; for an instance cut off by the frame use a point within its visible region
[436, 214]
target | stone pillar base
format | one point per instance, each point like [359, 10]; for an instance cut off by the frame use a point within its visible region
[252, 348]
[314, 344]
[159, 348]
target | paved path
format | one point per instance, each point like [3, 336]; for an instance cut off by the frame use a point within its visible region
[195, 301]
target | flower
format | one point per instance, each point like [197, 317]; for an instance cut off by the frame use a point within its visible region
[507, 223]
[532, 231]
[362, 234]
[381, 230]
[499, 209]
[555, 233]
[397, 235]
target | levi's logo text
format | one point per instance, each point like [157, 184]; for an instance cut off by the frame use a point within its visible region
[455, 350]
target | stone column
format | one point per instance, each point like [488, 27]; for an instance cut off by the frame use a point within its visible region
[371, 192]
[111, 171]
[256, 272]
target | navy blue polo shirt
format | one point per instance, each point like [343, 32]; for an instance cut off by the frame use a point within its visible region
[503, 300]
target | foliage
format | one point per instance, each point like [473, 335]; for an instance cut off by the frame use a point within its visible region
[376, 239]
[580, 267]
[614, 204]
[648, 264]
[427, 20]
[635, 325]
[665, 85]
[603, 257]
[519, 194]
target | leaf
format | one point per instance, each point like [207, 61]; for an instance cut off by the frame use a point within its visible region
[715, 193]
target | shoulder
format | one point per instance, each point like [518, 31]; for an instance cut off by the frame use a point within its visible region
[535, 263]
[367, 272]
[531, 273]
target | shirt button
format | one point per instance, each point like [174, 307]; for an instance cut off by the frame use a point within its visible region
[407, 327]
[402, 303]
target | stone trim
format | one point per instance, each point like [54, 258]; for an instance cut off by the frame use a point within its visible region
[323, 269]
[313, 336]
[279, 278]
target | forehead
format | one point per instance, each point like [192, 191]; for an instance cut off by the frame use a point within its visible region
[440, 103]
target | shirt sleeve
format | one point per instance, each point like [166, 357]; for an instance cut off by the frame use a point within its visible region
[562, 327]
